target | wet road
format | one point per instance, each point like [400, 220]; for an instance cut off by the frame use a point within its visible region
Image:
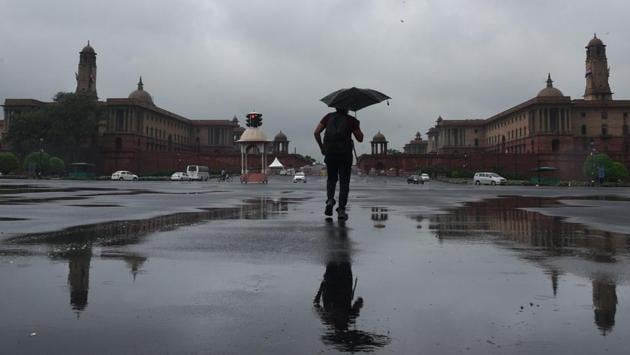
[158, 267]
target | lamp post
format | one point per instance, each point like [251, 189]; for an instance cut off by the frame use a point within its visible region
[592, 144]
[41, 151]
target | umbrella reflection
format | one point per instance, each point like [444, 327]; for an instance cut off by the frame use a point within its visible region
[335, 301]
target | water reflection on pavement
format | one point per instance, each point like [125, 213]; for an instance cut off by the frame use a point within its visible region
[269, 275]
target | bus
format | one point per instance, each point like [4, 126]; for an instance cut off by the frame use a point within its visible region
[198, 172]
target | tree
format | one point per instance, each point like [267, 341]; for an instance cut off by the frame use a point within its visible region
[309, 159]
[57, 167]
[593, 163]
[613, 170]
[8, 163]
[63, 126]
[618, 171]
[37, 162]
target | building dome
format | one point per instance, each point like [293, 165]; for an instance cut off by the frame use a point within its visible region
[253, 135]
[550, 91]
[379, 137]
[417, 139]
[595, 42]
[141, 95]
[280, 137]
[88, 49]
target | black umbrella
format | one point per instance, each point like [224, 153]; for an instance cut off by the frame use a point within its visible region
[354, 98]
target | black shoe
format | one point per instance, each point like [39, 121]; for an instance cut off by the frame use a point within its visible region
[329, 207]
[341, 214]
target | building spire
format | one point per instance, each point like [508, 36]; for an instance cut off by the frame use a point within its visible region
[140, 84]
[549, 81]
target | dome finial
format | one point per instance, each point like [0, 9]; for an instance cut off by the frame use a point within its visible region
[549, 81]
[140, 84]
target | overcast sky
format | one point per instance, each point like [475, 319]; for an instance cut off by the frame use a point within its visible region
[208, 59]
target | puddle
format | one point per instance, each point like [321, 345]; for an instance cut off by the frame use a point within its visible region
[556, 246]
[131, 231]
[487, 277]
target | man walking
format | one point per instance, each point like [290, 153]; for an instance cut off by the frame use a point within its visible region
[337, 148]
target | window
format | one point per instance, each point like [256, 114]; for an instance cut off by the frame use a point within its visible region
[625, 115]
[555, 145]
[583, 129]
[604, 115]
[120, 120]
[604, 130]
[476, 142]
[582, 114]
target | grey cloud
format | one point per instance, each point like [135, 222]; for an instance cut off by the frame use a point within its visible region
[214, 59]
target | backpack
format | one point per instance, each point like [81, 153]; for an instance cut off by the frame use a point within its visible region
[337, 138]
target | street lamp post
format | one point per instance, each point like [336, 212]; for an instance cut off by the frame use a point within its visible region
[41, 152]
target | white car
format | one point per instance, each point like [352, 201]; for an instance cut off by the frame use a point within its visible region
[425, 177]
[299, 176]
[487, 178]
[180, 176]
[124, 175]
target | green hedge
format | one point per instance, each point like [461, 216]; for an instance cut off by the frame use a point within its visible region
[9, 163]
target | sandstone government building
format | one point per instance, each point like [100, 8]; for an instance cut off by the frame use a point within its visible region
[550, 129]
[135, 134]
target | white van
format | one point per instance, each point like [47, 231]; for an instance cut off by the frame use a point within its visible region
[198, 172]
[488, 178]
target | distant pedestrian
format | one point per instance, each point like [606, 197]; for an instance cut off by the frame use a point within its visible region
[337, 149]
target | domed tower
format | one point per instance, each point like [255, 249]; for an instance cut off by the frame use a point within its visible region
[281, 143]
[597, 73]
[379, 144]
[550, 91]
[140, 95]
[86, 76]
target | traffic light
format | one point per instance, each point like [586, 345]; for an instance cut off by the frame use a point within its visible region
[253, 119]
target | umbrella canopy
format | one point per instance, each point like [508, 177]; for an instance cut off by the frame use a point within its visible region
[354, 98]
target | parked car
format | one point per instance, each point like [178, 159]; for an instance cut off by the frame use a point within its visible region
[414, 179]
[124, 175]
[487, 178]
[180, 176]
[425, 177]
[299, 176]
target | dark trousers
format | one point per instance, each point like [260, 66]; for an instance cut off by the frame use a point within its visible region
[339, 168]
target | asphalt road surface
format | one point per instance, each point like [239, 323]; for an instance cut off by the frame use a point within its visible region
[224, 268]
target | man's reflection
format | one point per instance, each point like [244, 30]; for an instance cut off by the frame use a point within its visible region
[335, 301]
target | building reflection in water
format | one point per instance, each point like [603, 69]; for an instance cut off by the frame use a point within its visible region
[79, 259]
[379, 216]
[79, 277]
[604, 304]
[75, 244]
[335, 301]
[539, 237]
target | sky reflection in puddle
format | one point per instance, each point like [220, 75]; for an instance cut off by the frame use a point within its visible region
[468, 279]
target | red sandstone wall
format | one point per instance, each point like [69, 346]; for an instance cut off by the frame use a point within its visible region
[569, 166]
